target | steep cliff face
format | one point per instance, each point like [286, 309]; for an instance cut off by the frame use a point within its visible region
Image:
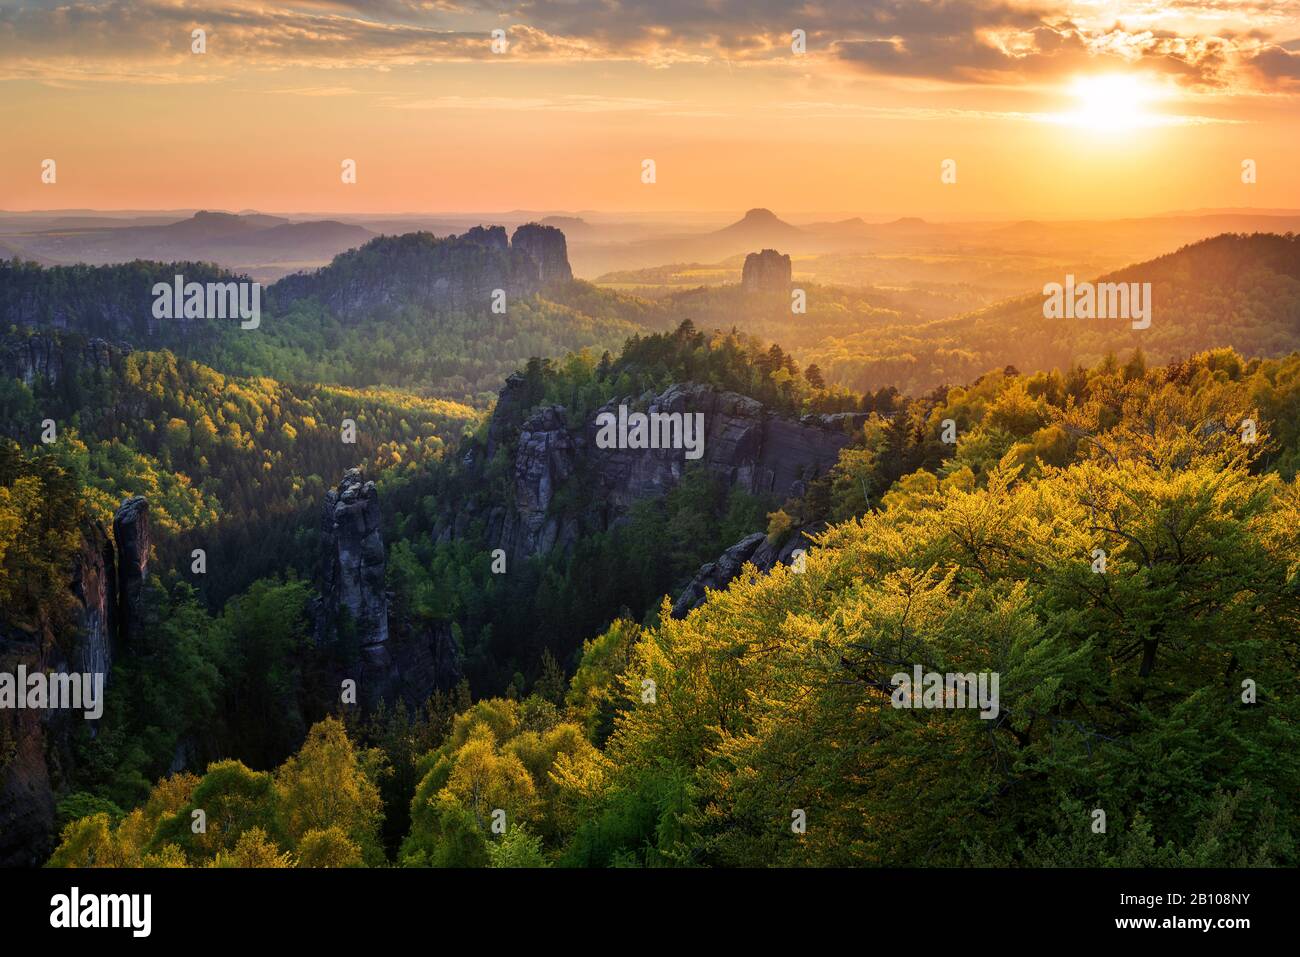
[768, 271]
[546, 246]
[744, 444]
[491, 236]
[546, 458]
[393, 659]
[94, 585]
[131, 533]
[458, 272]
[36, 745]
[48, 359]
[114, 303]
[353, 562]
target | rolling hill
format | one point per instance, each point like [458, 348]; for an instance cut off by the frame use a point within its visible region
[241, 242]
[1232, 290]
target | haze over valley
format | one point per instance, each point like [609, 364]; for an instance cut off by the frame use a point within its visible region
[587, 435]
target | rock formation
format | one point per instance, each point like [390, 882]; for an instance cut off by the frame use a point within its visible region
[47, 359]
[131, 533]
[491, 236]
[715, 575]
[744, 444]
[768, 271]
[393, 659]
[456, 272]
[115, 303]
[94, 584]
[352, 585]
[753, 549]
[546, 245]
[36, 755]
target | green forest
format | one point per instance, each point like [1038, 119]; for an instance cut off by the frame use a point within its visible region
[1122, 691]
[1108, 520]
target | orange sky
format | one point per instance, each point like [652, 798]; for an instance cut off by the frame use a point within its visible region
[712, 92]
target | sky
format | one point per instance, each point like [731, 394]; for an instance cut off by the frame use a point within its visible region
[1046, 109]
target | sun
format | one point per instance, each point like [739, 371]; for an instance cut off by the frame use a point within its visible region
[1111, 102]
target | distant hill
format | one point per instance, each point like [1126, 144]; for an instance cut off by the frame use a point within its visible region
[847, 228]
[232, 240]
[571, 225]
[322, 239]
[412, 310]
[10, 251]
[757, 229]
[1168, 231]
[759, 226]
[206, 226]
[1231, 290]
[1005, 253]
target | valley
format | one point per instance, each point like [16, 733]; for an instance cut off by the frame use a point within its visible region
[387, 486]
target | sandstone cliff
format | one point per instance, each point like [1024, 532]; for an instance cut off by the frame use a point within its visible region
[36, 756]
[387, 659]
[753, 550]
[353, 563]
[546, 246]
[115, 303]
[131, 533]
[46, 360]
[457, 272]
[108, 302]
[768, 271]
[745, 445]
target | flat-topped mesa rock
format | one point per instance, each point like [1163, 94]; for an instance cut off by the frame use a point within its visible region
[455, 272]
[388, 658]
[547, 247]
[766, 271]
[744, 444]
[131, 533]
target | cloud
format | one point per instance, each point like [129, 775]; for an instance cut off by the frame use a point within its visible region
[1277, 64]
[315, 91]
[832, 109]
[1202, 44]
[122, 39]
[560, 104]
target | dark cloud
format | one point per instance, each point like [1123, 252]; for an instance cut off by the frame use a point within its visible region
[949, 40]
[1007, 52]
[1276, 63]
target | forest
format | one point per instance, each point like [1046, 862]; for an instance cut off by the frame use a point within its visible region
[1231, 289]
[1121, 691]
[1106, 520]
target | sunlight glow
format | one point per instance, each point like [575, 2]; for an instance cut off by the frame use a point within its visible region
[1111, 103]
